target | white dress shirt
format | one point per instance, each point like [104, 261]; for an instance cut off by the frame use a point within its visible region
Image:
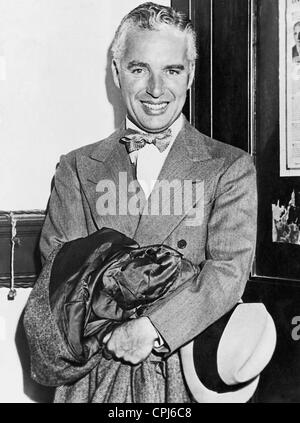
[148, 160]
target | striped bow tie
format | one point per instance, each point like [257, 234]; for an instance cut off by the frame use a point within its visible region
[136, 140]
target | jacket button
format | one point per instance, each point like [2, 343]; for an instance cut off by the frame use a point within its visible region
[182, 244]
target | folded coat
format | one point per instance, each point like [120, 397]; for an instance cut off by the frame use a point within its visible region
[87, 287]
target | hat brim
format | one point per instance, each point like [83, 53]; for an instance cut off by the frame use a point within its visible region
[203, 395]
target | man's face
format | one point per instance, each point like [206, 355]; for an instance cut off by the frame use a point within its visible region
[154, 75]
[297, 35]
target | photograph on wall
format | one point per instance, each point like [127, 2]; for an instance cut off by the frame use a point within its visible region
[286, 220]
[289, 36]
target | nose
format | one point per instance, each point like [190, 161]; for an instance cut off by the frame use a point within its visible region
[155, 86]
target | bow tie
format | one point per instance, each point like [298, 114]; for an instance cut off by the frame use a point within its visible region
[136, 140]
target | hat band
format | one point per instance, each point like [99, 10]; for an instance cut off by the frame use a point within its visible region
[205, 357]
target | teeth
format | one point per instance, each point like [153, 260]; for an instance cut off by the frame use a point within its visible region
[156, 106]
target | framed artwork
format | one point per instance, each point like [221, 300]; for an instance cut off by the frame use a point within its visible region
[289, 62]
[276, 139]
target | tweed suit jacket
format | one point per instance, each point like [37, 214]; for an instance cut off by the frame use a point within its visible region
[222, 243]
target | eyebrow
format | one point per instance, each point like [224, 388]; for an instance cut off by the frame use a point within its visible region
[134, 64]
[178, 67]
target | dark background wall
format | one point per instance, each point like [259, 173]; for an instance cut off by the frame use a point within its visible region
[220, 98]
[237, 75]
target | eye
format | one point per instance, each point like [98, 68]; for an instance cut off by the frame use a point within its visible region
[138, 71]
[173, 72]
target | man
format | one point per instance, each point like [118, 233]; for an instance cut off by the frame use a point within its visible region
[296, 48]
[154, 53]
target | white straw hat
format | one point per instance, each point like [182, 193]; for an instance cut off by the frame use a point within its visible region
[223, 363]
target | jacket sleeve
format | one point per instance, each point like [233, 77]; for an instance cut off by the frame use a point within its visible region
[52, 361]
[229, 253]
[65, 220]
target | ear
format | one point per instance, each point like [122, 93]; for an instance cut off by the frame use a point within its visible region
[115, 73]
[191, 75]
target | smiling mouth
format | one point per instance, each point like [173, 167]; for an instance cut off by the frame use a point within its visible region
[154, 108]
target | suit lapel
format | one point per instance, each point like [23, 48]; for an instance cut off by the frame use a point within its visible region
[108, 166]
[188, 160]
[105, 163]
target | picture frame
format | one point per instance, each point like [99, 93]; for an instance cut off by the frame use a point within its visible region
[277, 257]
[289, 79]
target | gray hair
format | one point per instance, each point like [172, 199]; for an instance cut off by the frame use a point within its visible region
[150, 16]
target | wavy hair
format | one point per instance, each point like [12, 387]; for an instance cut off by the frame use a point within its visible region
[151, 16]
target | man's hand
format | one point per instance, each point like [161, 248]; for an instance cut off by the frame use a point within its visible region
[133, 341]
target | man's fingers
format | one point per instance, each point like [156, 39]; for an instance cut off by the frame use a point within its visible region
[131, 356]
[131, 342]
[137, 356]
[132, 360]
[107, 354]
[107, 337]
